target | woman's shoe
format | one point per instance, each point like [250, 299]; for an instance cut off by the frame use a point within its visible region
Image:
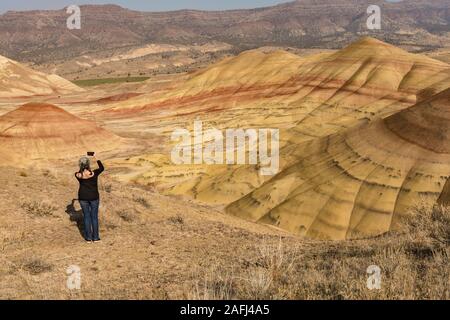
[97, 240]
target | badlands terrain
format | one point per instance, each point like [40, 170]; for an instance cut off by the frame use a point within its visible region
[363, 179]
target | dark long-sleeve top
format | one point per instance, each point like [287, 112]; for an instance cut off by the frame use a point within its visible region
[89, 187]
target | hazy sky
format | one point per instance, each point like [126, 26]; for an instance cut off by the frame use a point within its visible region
[145, 5]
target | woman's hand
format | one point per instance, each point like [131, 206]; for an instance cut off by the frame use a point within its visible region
[93, 158]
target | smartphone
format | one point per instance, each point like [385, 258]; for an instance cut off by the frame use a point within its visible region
[91, 154]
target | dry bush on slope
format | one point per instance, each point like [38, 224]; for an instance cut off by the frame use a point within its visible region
[142, 201]
[36, 266]
[429, 225]
[414, 265]
[39, 208]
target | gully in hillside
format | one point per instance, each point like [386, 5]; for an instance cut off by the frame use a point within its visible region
[88, 195]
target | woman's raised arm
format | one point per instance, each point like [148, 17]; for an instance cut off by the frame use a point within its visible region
[100, 169]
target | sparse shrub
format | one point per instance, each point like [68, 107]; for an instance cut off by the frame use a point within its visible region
[273, 267]
[258, 283]
[108, 221]
[151, 186]
[429, 225]
[125, 215]
[36, 266]
[109, 226]
[215, 285]
[50, 174]
[142, 201]
[107, 187]
[39, 208]
[177, 220]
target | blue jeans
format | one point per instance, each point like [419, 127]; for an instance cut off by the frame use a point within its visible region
[90, 218]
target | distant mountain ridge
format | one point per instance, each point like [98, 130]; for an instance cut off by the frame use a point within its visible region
[41, 36]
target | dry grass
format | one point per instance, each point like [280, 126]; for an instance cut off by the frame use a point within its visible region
[414, 265]
[214, 286]
[181, 250]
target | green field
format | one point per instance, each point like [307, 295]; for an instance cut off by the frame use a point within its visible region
[96, 82]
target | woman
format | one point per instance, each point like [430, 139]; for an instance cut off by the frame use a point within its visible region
[89, 197]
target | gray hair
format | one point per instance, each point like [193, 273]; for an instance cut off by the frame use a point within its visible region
[84, 163]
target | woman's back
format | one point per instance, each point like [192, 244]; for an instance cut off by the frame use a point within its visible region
[89, 183]
[89, 197]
